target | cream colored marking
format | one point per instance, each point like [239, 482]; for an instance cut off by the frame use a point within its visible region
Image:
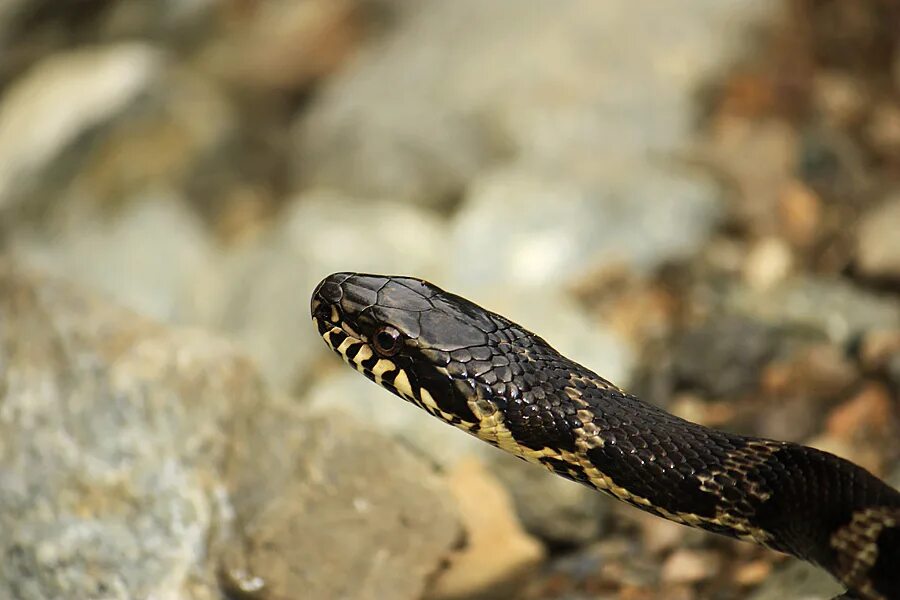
[365, 353]
[335, 317]
[401, 382]
[428, 399]
[345, 345]
[381, 367]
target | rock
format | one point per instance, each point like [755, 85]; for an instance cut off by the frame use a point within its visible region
[800, 214]
[561, 512]
[62, 98]
[285, 46]
[112, 125]
[349, 393]
[260, 292]
[799, 581]
[133, 455]
[865, 416]
[768, 262]
[877, 242]
[878, 348]
[690, 566]
[831, 307]
[893, 373]
[327, 506]
[817, 370]
[530, 229]
[723, 356]
[547, 82]
[883, 129]
[146, 256]
[114, 430]
[760, 157]
[754, 572]
[497, 553]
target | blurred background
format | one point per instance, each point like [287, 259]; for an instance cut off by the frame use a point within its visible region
[699, 200]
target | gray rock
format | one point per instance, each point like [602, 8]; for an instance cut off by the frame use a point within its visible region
[146, 256]
[798, 581]
[893, 373]
[437, 100]
[332, 508]
[351, 394]
[723, 356]
[830, 307]
[60, 99]
[133, 454]
[113, 429]
[260, 293]
[878, 242]
[551, 508]
[525, 227]
[93, 130]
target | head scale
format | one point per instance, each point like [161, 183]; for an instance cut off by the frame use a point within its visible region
[400, 332]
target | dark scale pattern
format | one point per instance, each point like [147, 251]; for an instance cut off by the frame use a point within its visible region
[884, 573]
[494, 378]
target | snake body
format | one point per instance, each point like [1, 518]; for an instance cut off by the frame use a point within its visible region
[484, 374]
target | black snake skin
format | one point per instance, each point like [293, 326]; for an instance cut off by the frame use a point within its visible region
[490, 377]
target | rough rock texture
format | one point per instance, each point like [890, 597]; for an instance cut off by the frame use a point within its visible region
[798, 580]
[561, 512]
[877, 241]
[48, 109]
[831, 307]
[438, 101]
[259, 294]
[113, 430]
[497, 553]
[147, 256]
[529, 228]
[121, 440]
[331, 508]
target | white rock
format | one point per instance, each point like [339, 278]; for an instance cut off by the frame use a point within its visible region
[60, 99]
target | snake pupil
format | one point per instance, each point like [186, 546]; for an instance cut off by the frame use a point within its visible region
[387, 341]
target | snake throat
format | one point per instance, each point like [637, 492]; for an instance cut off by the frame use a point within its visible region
[492, 378]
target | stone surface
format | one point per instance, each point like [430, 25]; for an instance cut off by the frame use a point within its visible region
[133, 456]
[497, 552]
[346, 391]
[327, 506]
[723, 356]
[64, 97]
[549, 82]
[832, 307]
[689, 566]
[285, 46]
[146, 256]
[113, 430]
[877, 242]
[259, 293]
[800, 581]
[530, 228]
[561, 512]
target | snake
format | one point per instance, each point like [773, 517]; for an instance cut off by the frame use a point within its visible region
[494, 379]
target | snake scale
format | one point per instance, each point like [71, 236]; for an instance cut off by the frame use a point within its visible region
[484, 374]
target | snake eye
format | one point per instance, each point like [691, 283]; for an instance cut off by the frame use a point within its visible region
[386, 341]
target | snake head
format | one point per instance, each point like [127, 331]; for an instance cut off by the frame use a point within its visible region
[404, 334]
